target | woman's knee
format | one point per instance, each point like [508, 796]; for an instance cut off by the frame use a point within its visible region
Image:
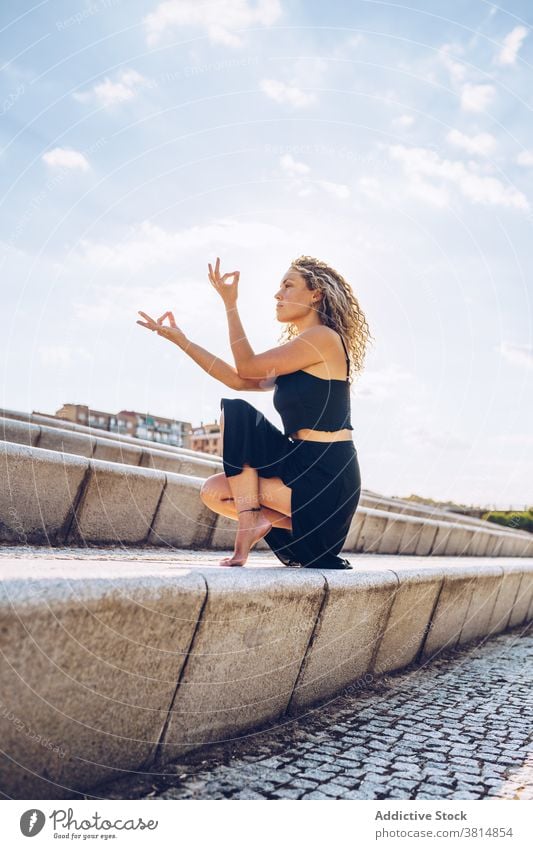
[214, 488]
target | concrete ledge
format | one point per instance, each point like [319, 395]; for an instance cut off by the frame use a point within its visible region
[393, 526]
[101, 446]
[428, 511]
[384, 532]
[59, 496]
[110, 666]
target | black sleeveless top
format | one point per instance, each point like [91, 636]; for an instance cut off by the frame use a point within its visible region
[305, 400]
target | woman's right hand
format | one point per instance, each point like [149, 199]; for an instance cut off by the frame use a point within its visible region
[170, 331]
[227, 291]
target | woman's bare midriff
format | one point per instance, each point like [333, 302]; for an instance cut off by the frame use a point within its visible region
[323, 435]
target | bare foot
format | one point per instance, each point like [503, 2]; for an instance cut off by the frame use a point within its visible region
[253, 526]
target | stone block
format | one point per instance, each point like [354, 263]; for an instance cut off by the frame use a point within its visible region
[246, 655]
[351, 542]
[38, 493]
[372, 532]
[478, 543]
[479, 614]
[427, 538]
[54, 439]
[118, 504]
[21, 432]
[409, 617]
[458, 541]
[442, 536]
[390, 540]
[351, 624]
[501, 612]
[91, 656]
[519, 613]
[179, 463]
[411, 537]
[182, 519]
[116, 451]
[450, 611]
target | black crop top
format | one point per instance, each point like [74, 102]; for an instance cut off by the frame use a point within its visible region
[304, 400]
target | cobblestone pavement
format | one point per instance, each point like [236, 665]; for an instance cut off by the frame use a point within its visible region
[459, 728]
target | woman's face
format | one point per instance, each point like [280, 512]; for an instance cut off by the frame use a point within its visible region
[293, 299]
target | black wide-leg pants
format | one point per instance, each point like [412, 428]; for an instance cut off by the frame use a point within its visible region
[324, 479]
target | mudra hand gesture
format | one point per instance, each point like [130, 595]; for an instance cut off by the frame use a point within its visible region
[227, 291]
[168, 331]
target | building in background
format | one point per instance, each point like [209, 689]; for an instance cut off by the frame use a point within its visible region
[207, 438]
[130, 422]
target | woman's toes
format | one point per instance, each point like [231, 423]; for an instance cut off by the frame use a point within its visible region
[229, 561]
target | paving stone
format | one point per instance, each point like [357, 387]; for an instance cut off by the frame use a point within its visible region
[467, 777]
[440, 780]
[248, 794]
[332, 789]
[304, 784]
[286, 793]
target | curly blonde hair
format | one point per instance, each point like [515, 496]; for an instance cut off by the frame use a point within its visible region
[339, 308]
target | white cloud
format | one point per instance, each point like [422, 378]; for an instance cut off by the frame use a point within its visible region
[428, 192]
[219, 20]
[338, 190]
[476, 97]
[520, 355]
[525, 157]
[482, 143]
[283, 93]
[150, 244]
[62, 157]
[292, 167]
[456, 70]
[511, 45]
[108, 93]
[404, 121]
[419, 162]
[297, 170]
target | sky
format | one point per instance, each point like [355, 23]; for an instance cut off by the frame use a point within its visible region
[140, 140]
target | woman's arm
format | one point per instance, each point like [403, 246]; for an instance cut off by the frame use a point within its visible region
[316, 344]
[220, 370]
[214, 366]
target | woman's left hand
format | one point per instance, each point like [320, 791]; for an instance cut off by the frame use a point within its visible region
[172, 332]
[227, 291]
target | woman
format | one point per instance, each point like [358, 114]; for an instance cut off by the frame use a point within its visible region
[298, 489]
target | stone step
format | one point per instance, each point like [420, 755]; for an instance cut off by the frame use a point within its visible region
[123, 663]
[56, 497]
